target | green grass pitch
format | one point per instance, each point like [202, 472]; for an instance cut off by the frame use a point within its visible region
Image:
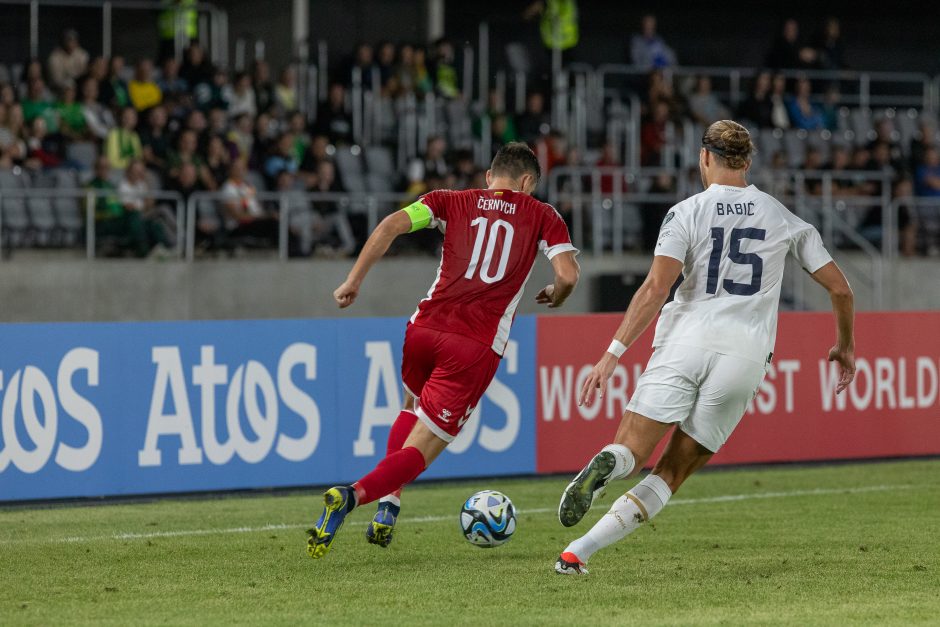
[837, 545]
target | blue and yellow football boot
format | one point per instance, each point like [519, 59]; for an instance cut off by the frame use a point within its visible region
[337, 502]
[380, 529]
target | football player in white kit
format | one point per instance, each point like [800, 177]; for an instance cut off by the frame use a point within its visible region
[713, 343]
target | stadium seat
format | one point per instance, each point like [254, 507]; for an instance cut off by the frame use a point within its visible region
[379, 183]
[67, 207]
[379, 161]
[350, 168]
[83, 153]
[41, 213]
[256, 180]
[16, 224]
[862, 124]
[794, 144]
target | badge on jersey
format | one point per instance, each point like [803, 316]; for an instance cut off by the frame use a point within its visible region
[669, 216]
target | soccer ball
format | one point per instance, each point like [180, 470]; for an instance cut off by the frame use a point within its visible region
[488, 519]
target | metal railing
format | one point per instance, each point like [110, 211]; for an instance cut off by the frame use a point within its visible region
[373, 205]
[913, 89]
[90, 198]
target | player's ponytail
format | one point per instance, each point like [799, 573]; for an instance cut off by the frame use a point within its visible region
[730, 142]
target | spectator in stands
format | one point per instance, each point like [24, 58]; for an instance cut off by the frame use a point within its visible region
[647, 49]
[213, 94]
[839, 163]
[779, 114]
[317, 152]
[297, 127]
[829, 49]
[653, 135]
[143, 91]
[653, 212]
[435, 163]
[883, 159]
[609, 159]
[71, 119]
[830, 107]
[112, 222]
[924, 138]
[11, 134]
[464, 168]
[264, 88]
[245, 217]
[7, 95]
[758, 108]
[38, 103]
[413, 73]
[67, 62]
[242, 136]
[804, 113]
[171, 84]
[363, 66]
[927, 178]
[813, 162]
[243, 99]
[704, 104]
[112, 92]
[123, 143]
[285, 92]
[265, 134]
[45, 150]
[186, 152]
[534, 121]
[332, 117]
[386, 65]
[218, 124]
[135, 196]
[871, 226]
[444, 71]
[218, 159]
[197, 123]
[98, 69]
[660, 89]
[197, 69]
[331, 224]
[280, 159]
[787, 52]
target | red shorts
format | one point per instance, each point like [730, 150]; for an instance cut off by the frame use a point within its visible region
[448, 374]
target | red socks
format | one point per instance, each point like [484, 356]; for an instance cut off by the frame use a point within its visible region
[396, 470]
[400, 430]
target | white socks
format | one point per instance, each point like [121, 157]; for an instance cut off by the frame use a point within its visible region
[624, 460]
[640, 504]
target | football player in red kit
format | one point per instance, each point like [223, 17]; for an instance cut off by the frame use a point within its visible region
[457, 336]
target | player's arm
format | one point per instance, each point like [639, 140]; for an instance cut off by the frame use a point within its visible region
[567, 273]
[412, 218]
[830, 276]
[644, 306]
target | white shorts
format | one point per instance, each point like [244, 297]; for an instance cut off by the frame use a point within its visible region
[705, 392]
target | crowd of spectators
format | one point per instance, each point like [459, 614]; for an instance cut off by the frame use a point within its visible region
[189, 127]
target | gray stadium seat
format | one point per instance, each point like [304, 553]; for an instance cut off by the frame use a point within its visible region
[68, 207]
[16, 223]
[794, 145]
[348, 161]
[83, 153]
[256, 180]
[379, 161]
[379, 183]
[862, 124]
[770, 142]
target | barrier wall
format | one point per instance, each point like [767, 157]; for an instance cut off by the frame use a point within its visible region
[142, 408]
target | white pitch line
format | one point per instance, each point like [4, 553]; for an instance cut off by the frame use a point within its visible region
[429, 519]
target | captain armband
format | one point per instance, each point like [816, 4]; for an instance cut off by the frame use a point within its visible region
[420, 215]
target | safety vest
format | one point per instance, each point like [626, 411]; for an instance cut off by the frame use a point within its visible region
[560, 24]
[188, 16]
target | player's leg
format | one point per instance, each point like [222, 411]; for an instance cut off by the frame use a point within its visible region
[726, 386]
[682, 457]
[665, 392]
[380, 530]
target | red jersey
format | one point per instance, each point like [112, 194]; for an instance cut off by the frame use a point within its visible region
[491, 237]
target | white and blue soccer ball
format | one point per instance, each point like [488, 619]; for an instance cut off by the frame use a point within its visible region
[488, 519]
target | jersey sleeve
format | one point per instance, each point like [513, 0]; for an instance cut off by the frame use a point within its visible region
[807, 247]
[436, 203]
[674, 236]
[555, 238]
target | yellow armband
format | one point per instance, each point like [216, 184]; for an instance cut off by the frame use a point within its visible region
[420, 215]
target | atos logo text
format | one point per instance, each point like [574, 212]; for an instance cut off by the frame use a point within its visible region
[28, 394]
[249, 387]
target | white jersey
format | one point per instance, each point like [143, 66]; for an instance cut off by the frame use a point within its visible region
[732, 242]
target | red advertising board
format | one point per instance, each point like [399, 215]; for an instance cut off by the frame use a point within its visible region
[892, 408]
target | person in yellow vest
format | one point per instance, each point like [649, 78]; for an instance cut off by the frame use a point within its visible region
[123, 143]
[177, 14]
[559, 25]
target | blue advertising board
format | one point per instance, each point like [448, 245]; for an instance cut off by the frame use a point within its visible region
[142, 408]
